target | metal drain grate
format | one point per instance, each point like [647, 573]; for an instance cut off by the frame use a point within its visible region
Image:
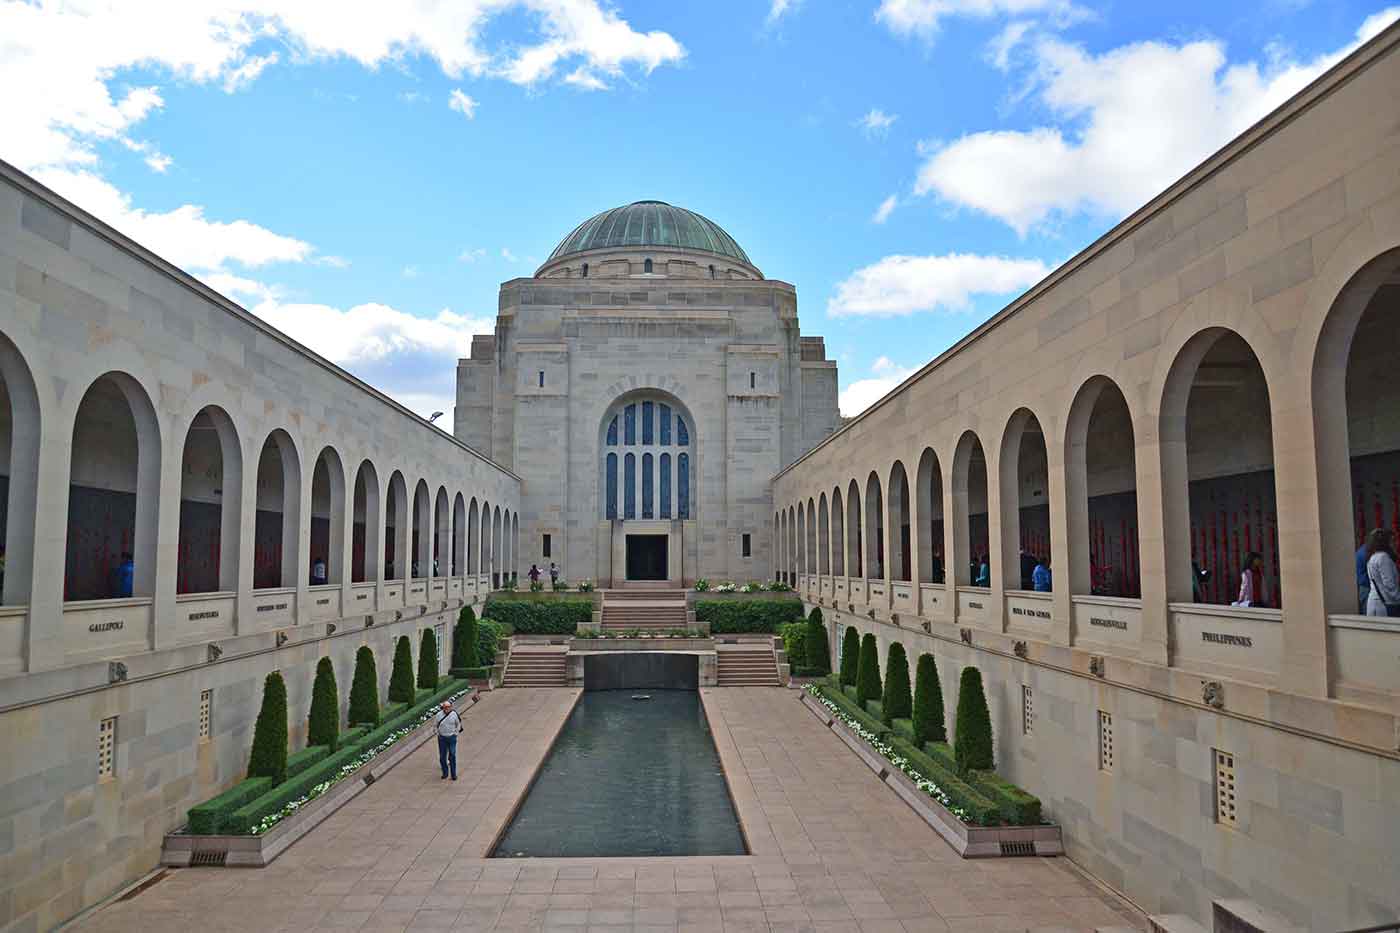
[1009, 849]
[208, 858]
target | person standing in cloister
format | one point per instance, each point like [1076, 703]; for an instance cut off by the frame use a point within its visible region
[1252, 581]
[1384, 599]
[1040, 576]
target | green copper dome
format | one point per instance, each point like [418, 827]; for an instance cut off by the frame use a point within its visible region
[650, 223]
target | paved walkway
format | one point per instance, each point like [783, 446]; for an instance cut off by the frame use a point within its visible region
[833, 850]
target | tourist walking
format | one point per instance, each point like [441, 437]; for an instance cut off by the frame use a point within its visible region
[1252, 581]
[984, 572]
[1040, 576]
[124, 577]
[1381, 574]
[448, 725]
[318, 572]
[1363, 581]
[534, 574]
[553, 573]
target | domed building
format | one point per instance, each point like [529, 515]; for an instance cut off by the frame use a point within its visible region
[646, 384]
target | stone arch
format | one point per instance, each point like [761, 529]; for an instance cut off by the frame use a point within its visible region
[874, 528]
[929, 493]
[328, 516]
[971, 536]
[277, 523]
[397, 523]
[900, 521]
[366, 549]
[459, 536]
[422, 545]
[211, 485]
[442, 534]
[855, 557]
[19, 437]
[1101, 508]
[838, 534]
[473, 538]
[1024, 484]
[648, 445]
[823, 536]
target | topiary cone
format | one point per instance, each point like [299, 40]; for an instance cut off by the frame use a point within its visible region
[896, 702]
[850, 656]
[464, 639]
[818, 648]
[323, 722]
[972, 746]
[401, 674]
[364, 689]
[428, 661]
[868, 674]
[269, 755]
[928, 703]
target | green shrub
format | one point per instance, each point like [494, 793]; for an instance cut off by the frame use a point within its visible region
[943, 752]
[488, 637]
[540, 616]
[1017, 806]
[747, 616]
[269, 755]
[928, 703]
[818, 659]
[979, 808]
[305, 758]
[875, 709]
[850, 656]
[972, 743]
[848, 706]
[868, 673]
[794, 642]
[895, 701]
[428, 661]
[323, 721]
[401, 674]
[364, 689]
[464, 639]
[210, 816]
[471, 673]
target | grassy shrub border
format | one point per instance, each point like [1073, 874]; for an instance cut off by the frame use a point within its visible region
[748, 616]
[561, 616]
[981, 810]
[850, 656]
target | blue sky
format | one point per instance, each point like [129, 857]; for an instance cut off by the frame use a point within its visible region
[365, 179]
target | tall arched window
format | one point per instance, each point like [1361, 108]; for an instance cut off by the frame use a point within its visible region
[646, 266]
[665, 478]
[585, 270]
[653, 471]
[629, 487]
[683, 486]
[647, 508]
[612, 484]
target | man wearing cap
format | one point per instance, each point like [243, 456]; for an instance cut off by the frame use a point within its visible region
[448, 725]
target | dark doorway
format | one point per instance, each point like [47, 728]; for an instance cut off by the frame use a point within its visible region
[646, 557]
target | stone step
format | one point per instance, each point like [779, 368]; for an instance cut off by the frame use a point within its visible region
[1173, 923]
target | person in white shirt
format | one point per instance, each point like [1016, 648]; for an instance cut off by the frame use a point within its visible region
[448, 725]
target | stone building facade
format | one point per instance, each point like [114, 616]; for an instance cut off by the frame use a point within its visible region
[646, 384]
[1211, 381]
[275, 510]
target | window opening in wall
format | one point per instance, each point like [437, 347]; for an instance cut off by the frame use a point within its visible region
[747, 545]
[206, 702]
[1105, 741]
[106, 748]
[646, 266]
[1224, 788]
[712, 271]
[753, 380]
[545, 547]
[542, 379]
[585, 270]
[1027, 710]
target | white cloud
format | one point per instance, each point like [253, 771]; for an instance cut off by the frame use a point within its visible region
[886, 208]
[462, 103]
[861, 394]
[923, 18]
[1129, 123]
[334, 262]
[1000, 48]
[777, 9]
[877, 123]
[900, 285]
[586, 80]
[471, 255]
[239, 77]
[508, 256]
[158, 162]
[183, 235]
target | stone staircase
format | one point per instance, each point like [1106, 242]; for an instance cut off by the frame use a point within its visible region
[537, 666]
[644, 609]
[747, 664]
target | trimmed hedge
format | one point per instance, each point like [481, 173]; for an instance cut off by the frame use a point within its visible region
[848, 706]
[323, 721]
[850, 656]
[818, 659]
[401, 674]
[980, 809]
[464, 639]
[928, 703]
[943, 752]
[364, 689]
[471, 673]
[795, 642]
[488, 638]
[539, 616]
[305, 758]
[747, 616]
[269, 756]
[211, 815]
[428, 661]
[1017, 806]
[868, 673]
[895, 701]
[972, 744]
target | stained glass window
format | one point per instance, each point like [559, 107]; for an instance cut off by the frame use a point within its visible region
[647, 511]
[648, 435]
[682, 435]
[683, 485]
[629, 425]
[612, 432]
[612, 485]
[665, 425]
[665, 485]
[629, 486]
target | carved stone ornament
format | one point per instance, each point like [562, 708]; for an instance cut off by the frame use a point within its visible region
[850, 607]
[281, 639]
[966, 635]
[894, 617]
[330, 628]
[369, 620]
[214, 652]
[398, 614]
[116, 672]
[928, 627]
[1213, 694]
[1096, 665]
[870, 612]
[1021, 649]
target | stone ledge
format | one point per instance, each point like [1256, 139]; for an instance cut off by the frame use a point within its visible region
[967, 841]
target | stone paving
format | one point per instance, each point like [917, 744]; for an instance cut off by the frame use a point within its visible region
[833, 849]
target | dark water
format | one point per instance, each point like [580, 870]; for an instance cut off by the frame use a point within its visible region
[628, 778]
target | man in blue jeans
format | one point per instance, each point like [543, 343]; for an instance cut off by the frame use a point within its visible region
[448, 725]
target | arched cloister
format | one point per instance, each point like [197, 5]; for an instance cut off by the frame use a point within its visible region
[1218, 471]
[812, 561]
[19, 472]
[277, 524]
[801, 538]
[421, 544]
[823, 536]
[929, 485]
[497, 555]
[899, 517]
[1024, 469]
[396, 529]
[327, 518]
[442, 534]
[1101, 479]
[854, 557]
[507, 548]
[459, 536]
[838, 534]
[473, 538]
[488, 557]
[211, 484]
[365, 547]
[114, 492]
[972, 563]
[874, 528]
[514, 544]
